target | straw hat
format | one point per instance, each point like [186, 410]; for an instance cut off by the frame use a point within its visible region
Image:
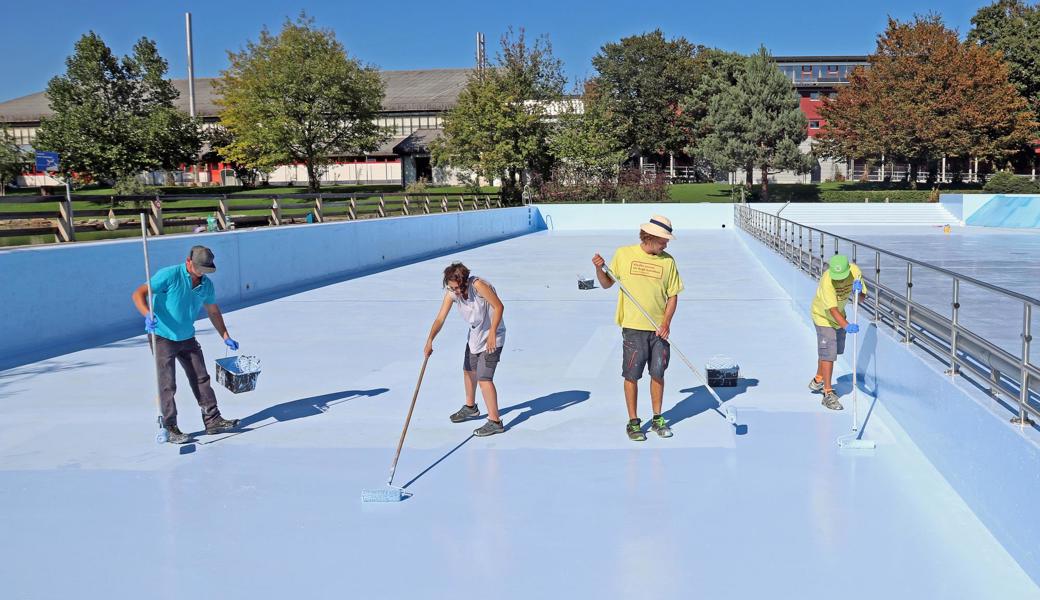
[658, 226]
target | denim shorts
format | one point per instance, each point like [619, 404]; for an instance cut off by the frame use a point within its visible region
[640, 349]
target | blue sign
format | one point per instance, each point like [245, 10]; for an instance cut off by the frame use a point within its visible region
[47, 161]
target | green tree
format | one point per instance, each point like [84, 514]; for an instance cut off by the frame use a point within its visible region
[927, 95]
[757, 123]
[583, 145]
[643, 80]
[114, 118]
[13, 160]
[502, 122]
[1013, 28]
[258, 167]
[297, 96]
[718, 70]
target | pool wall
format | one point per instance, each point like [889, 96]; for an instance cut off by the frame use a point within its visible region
[60, 298]
[995, 210]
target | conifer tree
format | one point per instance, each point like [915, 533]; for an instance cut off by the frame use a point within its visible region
[757, 123]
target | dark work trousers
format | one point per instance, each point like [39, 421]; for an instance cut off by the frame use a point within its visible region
[189, 354]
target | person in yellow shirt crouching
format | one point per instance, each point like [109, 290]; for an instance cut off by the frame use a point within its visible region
[650, 275]
[828, 314]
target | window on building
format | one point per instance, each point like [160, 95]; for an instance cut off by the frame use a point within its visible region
[814, 124]
[814, 95]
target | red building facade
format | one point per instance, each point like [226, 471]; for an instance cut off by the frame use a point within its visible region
[815, 78]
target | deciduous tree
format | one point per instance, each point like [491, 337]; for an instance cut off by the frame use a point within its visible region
[503, 119]
[13, 160]
[583, 144]
[643, 81]
[297, 96]
[1013, 28]
[927, 95]
[114, 118]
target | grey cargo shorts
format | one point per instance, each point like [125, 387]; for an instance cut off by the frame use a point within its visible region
[830, 342]
[484, 363]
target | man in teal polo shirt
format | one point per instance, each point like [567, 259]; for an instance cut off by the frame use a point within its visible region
[179, 293]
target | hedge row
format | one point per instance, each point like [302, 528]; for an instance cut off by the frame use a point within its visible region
[816, 195]
[877, 196]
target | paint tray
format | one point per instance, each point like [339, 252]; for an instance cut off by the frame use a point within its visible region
[238, 373]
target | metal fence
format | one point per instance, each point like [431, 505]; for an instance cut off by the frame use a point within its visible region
[179, 213]
[1011, 378]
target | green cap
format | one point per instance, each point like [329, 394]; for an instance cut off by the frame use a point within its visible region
[839, 267]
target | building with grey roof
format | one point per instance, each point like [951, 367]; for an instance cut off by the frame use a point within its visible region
[413, 108]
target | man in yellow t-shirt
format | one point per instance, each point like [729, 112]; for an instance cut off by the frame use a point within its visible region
[828, 314]
[650, 275]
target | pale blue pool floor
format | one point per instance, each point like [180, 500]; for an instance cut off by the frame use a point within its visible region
[561, 504]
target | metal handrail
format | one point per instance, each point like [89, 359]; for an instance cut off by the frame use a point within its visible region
[953, 274]
[966, 352]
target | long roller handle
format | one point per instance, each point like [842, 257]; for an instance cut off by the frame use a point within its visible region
[151, 336]
[703, 379]
[408, 419]
[855, 364]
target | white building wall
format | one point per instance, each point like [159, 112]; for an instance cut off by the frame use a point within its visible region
[36, 181]
[353, 172]
[829, 170]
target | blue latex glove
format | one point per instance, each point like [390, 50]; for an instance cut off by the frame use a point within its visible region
[150, 323]
[852, 328]
[857, 286]
[231, 344]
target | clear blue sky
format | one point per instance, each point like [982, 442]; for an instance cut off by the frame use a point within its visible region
[418, 35]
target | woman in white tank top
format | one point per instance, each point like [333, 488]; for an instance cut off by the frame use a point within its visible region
[480, 306]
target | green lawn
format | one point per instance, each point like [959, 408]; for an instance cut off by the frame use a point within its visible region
[279, 190]
[700, 192]
[293, 209]
[830, 191]
[94, 199]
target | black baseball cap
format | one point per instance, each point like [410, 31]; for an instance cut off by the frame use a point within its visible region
[201, 258]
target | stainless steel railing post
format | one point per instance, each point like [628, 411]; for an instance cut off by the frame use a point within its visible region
[801, 248]
[956, 306]
[877, 284]
[909, 297]
[1023, 388]
[809, 251]
[823, 254]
